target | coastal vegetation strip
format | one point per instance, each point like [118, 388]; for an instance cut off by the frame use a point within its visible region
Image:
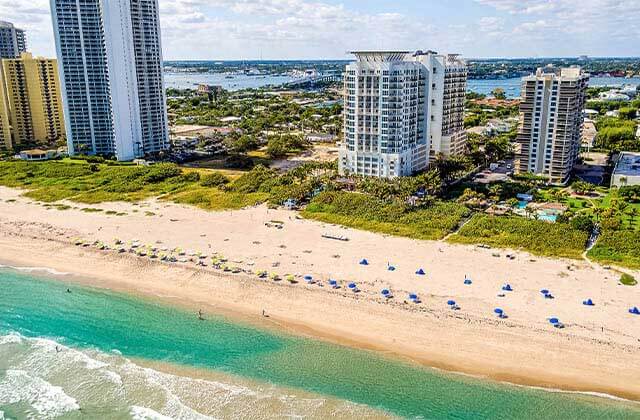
[617, 247]
[538, 237]
[366, 212]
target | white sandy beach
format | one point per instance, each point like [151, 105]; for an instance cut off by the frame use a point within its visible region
[598, 351]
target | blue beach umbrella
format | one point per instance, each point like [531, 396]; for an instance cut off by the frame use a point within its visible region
[544, 291]
[385, 292]
[352, 286]
[588, 302]
[391, 268]
[498, 311]
[451, 302]
[308, 278]
[413, 296]
[507, 288]
[420, 272]
[467, 281]
[634, 311]
[554, 321]
[364, 262]
[333, 282]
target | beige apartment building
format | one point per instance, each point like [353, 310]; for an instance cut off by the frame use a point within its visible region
[551, 122]
[30, 102]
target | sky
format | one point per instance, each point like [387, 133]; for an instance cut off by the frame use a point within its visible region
[328, 29]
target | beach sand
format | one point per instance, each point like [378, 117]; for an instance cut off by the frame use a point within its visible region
[598, 351]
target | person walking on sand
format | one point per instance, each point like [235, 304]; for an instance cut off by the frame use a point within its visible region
[200, 315]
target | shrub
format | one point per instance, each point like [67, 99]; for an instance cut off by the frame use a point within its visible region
[537, 237]
[215, 179]
[628, 280]
[583, 223]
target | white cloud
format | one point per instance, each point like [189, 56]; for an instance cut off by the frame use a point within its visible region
[224, 29]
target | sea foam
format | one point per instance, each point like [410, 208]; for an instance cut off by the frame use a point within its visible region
[48, 400]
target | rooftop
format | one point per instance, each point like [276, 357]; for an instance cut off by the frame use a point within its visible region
[381, 56]
[628, 164]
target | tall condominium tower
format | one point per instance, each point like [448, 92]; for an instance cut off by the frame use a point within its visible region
[551, 120]
[30, 101]
[13, 41]
[110, 58]
[400, 110]
[385, 131]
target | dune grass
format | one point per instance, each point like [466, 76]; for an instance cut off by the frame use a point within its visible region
[617, 247]
[365, 212]
[537, 237]
[214, 199]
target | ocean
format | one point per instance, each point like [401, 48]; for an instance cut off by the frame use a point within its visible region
[97, 354]
[238, 82]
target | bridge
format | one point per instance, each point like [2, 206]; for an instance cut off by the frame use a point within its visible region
[311, 80]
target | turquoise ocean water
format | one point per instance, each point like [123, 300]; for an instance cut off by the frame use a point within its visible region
[87, 354]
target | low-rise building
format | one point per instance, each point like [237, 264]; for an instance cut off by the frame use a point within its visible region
[627, 170]
[37, 155]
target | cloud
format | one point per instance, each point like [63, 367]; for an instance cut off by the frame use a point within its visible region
[240, 29]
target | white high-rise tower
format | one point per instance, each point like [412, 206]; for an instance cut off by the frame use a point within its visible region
[110, 59]
[400, 111]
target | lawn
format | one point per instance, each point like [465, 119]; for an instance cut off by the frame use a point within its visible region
[537, 237]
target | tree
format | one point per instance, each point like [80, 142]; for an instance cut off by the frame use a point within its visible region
[633, 212]
[277, 147]
[582, 188]
[583, 223]
[499, 93]
[627, 113]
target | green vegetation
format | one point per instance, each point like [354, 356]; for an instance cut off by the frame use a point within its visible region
[617, 135]
[628, 280]
[363, 211]
[621, 247]
[537, 237]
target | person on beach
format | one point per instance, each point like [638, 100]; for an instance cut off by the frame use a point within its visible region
[200, 315]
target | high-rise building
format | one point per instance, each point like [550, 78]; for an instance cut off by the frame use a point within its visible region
[385, 131]
[111, 64]
[448, 78]
[30, 101]
[551, 122]
[13, 41]
[400, 110]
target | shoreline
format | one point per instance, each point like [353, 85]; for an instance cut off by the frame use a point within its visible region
[284, 325]
[598, 352]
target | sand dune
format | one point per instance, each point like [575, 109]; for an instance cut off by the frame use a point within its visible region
[599, 350]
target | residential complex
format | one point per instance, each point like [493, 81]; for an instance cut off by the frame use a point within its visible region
[110, 58]
[400, 110]
[30, 102]
[13, 41]
[551, 122]
[448, 80]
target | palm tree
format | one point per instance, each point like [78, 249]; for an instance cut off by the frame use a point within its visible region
[597, 211]
[633, 212]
